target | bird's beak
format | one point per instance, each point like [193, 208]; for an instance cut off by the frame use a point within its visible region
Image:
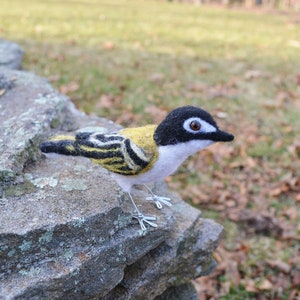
[221, 136]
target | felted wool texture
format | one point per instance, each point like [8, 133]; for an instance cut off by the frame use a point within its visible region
[129, 152]
[61, 144]
[143, 137]
[135, 151]
[171, 132]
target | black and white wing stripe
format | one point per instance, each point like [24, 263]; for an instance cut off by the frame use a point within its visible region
[114, 152]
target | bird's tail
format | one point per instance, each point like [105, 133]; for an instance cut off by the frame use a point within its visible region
[61, 144]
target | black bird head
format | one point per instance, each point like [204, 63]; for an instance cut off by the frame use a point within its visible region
[189, 123]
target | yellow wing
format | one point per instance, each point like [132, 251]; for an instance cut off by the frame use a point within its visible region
[142, 137]
[120, 152]
[130, 152]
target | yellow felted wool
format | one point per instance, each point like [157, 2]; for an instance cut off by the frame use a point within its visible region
[62, 144]
[143, 138]
[128, 152]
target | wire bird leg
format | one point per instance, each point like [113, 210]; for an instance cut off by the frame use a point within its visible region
[141, 218]
[159, 201]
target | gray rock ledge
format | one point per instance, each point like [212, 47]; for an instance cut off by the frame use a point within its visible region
[11, 55]
[66, 230]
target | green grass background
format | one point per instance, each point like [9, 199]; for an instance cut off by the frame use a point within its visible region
[184, 43]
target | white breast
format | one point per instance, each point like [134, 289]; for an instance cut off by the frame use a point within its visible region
[169, 159]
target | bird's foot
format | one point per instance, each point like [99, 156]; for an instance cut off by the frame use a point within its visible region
[159, 201]
[144, 219]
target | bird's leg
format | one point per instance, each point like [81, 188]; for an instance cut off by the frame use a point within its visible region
[157, 199]
[141, 218]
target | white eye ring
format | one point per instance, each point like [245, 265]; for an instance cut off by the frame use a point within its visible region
[204, 126]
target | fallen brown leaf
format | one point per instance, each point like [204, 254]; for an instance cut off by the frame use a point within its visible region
[294, 295]
[252, 74]
[257, 222]
[280, 265]
[108, 101]
[157, 77]
[157, 114]
[108, 45]
[265, 285]
[249, 285]
[69, 87]
[291, 213]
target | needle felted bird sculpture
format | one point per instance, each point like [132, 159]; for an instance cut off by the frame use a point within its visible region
[144, 154]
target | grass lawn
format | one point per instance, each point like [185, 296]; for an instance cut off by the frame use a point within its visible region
[132, 61]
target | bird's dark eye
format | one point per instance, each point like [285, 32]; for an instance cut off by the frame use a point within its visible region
[195, 125]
